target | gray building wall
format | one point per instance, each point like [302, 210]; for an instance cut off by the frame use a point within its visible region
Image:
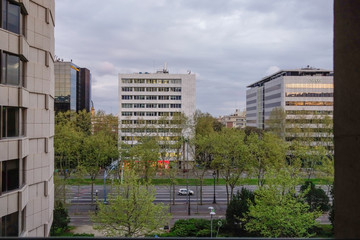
[30, 204]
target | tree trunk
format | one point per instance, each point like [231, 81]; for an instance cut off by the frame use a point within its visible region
[227, 192]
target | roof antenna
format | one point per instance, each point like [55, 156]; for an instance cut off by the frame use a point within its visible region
[165, 68]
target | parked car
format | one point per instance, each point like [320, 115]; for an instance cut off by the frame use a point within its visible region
[183, 191]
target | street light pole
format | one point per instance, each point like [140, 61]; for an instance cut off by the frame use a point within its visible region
[214, 201]
[212, 212]
[187, 174]
[96, 206]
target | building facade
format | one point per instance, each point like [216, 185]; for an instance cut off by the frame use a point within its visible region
[236, 120]
[146, 99]
[72, 87]
[27, 117]
[303, 93]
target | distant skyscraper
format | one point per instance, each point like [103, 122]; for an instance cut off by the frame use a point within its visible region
[72, 87]
[26, 118]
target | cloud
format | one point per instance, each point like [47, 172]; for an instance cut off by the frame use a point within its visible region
[228, 44]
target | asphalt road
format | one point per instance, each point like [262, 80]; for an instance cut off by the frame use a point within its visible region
[80, 205]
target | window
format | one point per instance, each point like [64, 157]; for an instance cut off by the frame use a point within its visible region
[139, 105]
[126, 121]
[126, 97]
[139, 89]
[126, 80]
[12, 122]
[151, 89]
[175, 89]
[175, 81]
[151, 113]
[126, 114]
[163, 97]
[161, 105]
[151, 97]
[139, 97]
[12, 69]
[151, 81]
[162, 114]
[11, 16]
[10, 225]
[9, 175]
[126, 105]
[151, 105]
[163, 89]
[175, 97]
[139, 113]
[126, 89]
[177, 105]
[139, 80]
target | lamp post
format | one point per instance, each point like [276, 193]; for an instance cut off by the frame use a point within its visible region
[214, 174]
[212, 213]
[96, 195]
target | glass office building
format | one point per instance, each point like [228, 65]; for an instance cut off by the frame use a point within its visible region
[72, 87]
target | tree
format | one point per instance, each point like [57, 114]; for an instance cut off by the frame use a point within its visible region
[61, 218]
[238, 208]
[96, 152]
[278, 211]
[131, 213]
[205, 125]
[230, 156]
[107, 123]
[315, 197]
[277, 122]
[144, 157]
[266, 151]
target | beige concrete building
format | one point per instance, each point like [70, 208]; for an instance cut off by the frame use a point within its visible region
[26, 117]
[236, 120]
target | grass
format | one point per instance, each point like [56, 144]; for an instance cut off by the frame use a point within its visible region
[182, 181]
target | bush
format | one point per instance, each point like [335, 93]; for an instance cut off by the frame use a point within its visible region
[315, 197]
[237, 210]
[190, 227]
[61, 219]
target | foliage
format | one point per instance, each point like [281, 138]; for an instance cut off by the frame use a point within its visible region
[238, 208]
[191, 228]
[332, 208]
[230, 156]
[106, 123]
[266, 152]
[277, 122]
[131, 213]
[61, 218]
[278, 211]
[315, 197]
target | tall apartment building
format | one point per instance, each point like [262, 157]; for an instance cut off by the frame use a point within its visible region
[146, 98]
[308, 91]
[26, 117]
[72, 87]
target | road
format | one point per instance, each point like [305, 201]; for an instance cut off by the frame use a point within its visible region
[79, 199]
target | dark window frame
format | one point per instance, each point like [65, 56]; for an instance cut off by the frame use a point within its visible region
[6, 6]
[4, 69]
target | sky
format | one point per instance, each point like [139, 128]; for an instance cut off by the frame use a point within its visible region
[228, 44]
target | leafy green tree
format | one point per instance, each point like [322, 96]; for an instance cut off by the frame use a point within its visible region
[266, 151]
[144, 157]
[278, 211]
[230, 157]
[107, 123]
[205, 125]
[131, 213]
[96, 153]
[238, 208]
[315, 197]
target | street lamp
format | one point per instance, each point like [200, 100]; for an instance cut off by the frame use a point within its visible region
[212, 213]
[214, 174]
[96, 196]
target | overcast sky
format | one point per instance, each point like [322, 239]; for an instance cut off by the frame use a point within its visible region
[228, 44]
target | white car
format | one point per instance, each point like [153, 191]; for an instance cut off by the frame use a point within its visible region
[183, 191]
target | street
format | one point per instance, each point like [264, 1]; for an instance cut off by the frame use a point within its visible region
[79, 200]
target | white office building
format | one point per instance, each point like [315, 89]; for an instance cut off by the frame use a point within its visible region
[145, 99]
[308, 91]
